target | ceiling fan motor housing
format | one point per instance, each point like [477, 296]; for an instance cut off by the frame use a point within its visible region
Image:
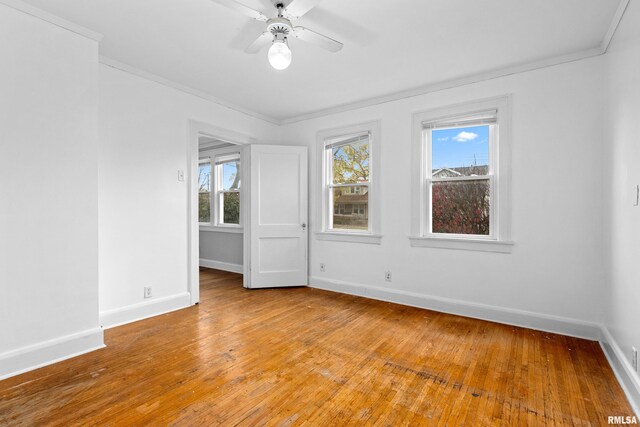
[280, 28]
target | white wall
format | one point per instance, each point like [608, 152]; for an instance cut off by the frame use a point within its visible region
[556, 267]
[49, 188]
[52, 243]
[622, 137]
[221, 247]
[144, 134]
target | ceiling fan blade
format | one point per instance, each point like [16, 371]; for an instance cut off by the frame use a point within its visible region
[297, 8]
[312, 37]
[245, 10]
[262, 40]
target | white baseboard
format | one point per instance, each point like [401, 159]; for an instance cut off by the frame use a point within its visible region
[35, 356]
[143, 310]
[526, 319]
[219, 265]
[628, 379]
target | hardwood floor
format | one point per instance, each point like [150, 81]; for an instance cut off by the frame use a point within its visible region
[309, 357]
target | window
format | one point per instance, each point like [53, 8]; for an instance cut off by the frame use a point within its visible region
[463, 189]
[228, 189]
[459, 175]
[219, 191]
[349, 193]
[348, 164]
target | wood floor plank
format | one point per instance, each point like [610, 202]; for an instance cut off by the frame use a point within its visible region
[290, 357]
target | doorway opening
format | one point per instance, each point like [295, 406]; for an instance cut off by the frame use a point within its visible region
[219, 189]
[216, 214]
[248, 196]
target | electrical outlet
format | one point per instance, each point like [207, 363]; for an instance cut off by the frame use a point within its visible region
[634, 358]
[147, 292]
[323, 268]
[387, 276]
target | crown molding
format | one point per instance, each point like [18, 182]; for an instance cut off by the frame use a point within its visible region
[183, 88]
[449, 84]
[369, 102]
[613, 27]
[475, 78]
[52, 19]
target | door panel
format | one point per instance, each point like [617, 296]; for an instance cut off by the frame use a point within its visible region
[279, 254]
[279, 189]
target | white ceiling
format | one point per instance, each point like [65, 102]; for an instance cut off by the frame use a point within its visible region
[390, 46]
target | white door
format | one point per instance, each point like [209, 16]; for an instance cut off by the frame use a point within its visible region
[278, 216]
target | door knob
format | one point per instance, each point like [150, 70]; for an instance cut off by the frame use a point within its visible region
[304, 226]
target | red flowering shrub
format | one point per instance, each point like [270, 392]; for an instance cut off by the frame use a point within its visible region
[460, 207]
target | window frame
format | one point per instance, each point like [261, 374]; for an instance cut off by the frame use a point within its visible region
[325, 208]
[427, 227]
[499, 176]
[330, 186]
[216, 220]
[218, 165]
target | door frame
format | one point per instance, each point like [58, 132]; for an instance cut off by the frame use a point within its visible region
[197, 129]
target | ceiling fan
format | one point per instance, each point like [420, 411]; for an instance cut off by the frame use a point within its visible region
[279, 29]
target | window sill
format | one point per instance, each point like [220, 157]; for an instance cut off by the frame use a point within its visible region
[221, 229]
[500, 246]
[374, 239]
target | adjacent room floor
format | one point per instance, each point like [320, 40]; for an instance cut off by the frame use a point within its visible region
[308, 357]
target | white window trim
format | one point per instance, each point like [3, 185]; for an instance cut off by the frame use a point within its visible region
[373, 235]
[500, 240]
[210, 156]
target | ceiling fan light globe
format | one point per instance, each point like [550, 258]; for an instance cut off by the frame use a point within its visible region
[279, 55]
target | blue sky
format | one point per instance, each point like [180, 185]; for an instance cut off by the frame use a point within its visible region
[229, 171]
[460, 147]
[204, 182]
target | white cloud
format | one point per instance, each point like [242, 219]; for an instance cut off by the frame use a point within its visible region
[443, 139]
[465, 136]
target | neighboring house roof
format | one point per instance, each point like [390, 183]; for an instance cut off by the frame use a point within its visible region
[461, 171]
[445, 173]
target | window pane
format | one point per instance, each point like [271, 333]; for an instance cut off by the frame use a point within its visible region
[351, 163]
[462, 151]
[231, 175]
[461, 207]
[231, 208]
[351, 208]
[204, 189]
